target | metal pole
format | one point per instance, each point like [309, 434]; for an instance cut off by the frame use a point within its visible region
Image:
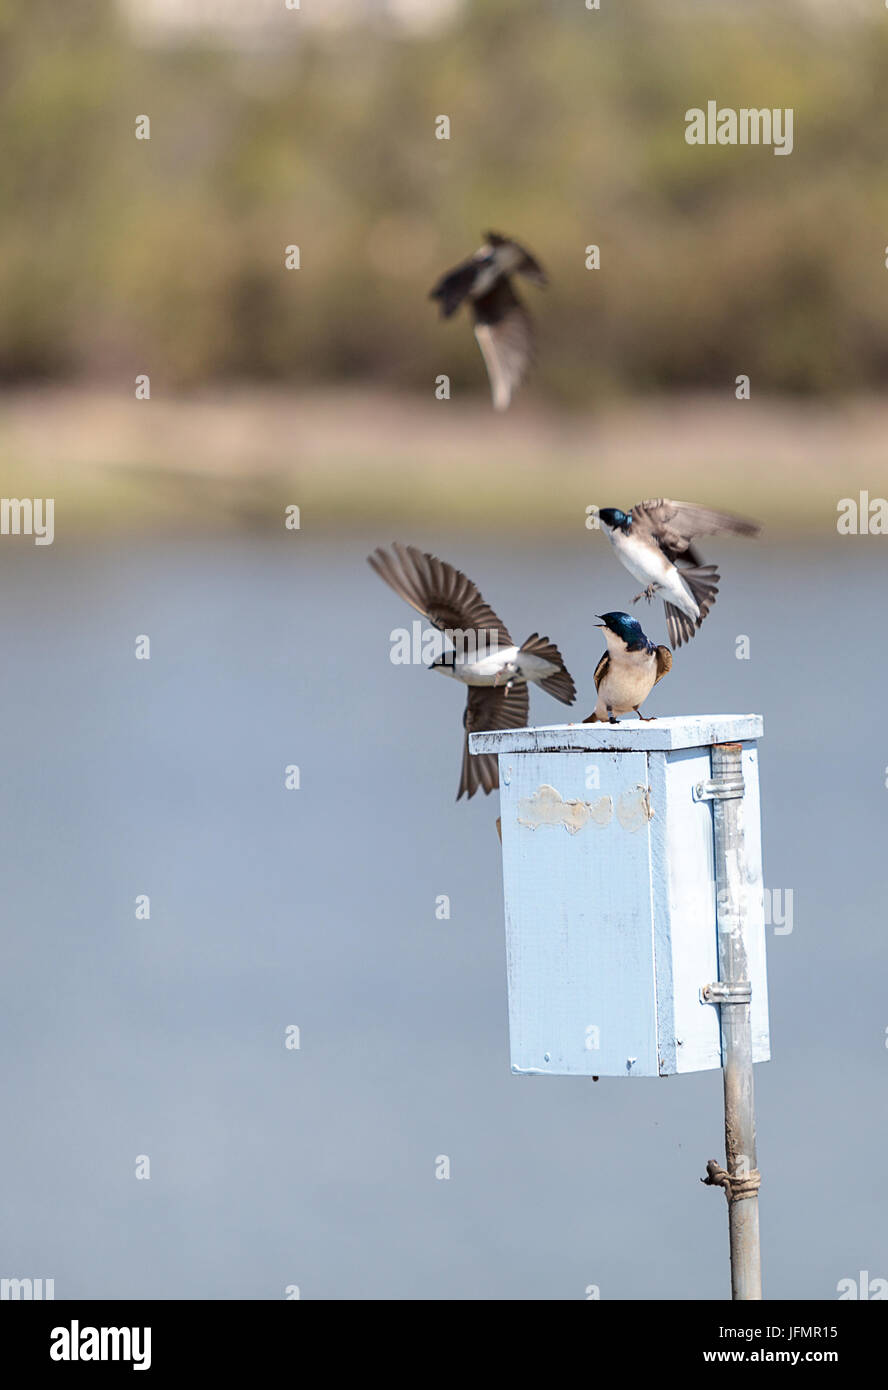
[732, 994]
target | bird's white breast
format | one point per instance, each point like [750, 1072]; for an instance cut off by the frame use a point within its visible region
[647, 562]
[629, 680]
[487, 670]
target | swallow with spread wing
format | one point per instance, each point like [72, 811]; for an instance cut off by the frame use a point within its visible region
[629, 669]
[655, 543]
[503, 327]
[482, 655]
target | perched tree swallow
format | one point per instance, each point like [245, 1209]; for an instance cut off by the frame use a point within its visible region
[503, 327]
[654, 542]
[483, 657]
[629, 669]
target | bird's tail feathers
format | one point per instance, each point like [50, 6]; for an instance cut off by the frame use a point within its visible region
[561, 683]
[561, 686]
[679, 626]
[703, 582]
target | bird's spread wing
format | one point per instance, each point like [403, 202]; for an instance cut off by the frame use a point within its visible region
[674, 525]
[504, 331]
[664, 662]
[601, 670]
[453, 287]
[489, 707]
[444, 595]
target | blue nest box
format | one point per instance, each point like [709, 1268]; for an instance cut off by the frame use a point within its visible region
[610, 894]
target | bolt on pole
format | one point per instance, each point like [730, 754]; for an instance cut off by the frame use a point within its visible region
[741, 1178]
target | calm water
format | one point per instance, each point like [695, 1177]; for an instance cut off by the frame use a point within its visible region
[269, 908]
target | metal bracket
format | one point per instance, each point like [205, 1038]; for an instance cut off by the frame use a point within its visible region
[726, 992]
[719, 791]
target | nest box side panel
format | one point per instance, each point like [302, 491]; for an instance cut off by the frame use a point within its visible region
[579, 917]
[694, 936]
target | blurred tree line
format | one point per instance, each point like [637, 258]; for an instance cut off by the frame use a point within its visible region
[567, 128]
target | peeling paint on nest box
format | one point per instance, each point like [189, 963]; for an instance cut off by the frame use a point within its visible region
[611, 927]
[634, 808]
[547, 807]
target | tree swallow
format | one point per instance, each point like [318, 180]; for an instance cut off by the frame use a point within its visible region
[629, 669]
[654, 538]
[503, 327]
[483, 655]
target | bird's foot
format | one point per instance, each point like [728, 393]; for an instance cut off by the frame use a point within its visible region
[647, 718]
[611, 718]
[647, 593]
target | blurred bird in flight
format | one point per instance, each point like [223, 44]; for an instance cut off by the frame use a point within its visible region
[503, 327]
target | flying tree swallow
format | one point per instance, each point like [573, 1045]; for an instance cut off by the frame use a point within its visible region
[629, 669]
[483, 655]
[503, 327]
[655, 543]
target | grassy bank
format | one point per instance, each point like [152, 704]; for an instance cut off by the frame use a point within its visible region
[238, 457]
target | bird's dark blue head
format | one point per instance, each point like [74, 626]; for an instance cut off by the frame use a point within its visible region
[627, 627]
[613, 517]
